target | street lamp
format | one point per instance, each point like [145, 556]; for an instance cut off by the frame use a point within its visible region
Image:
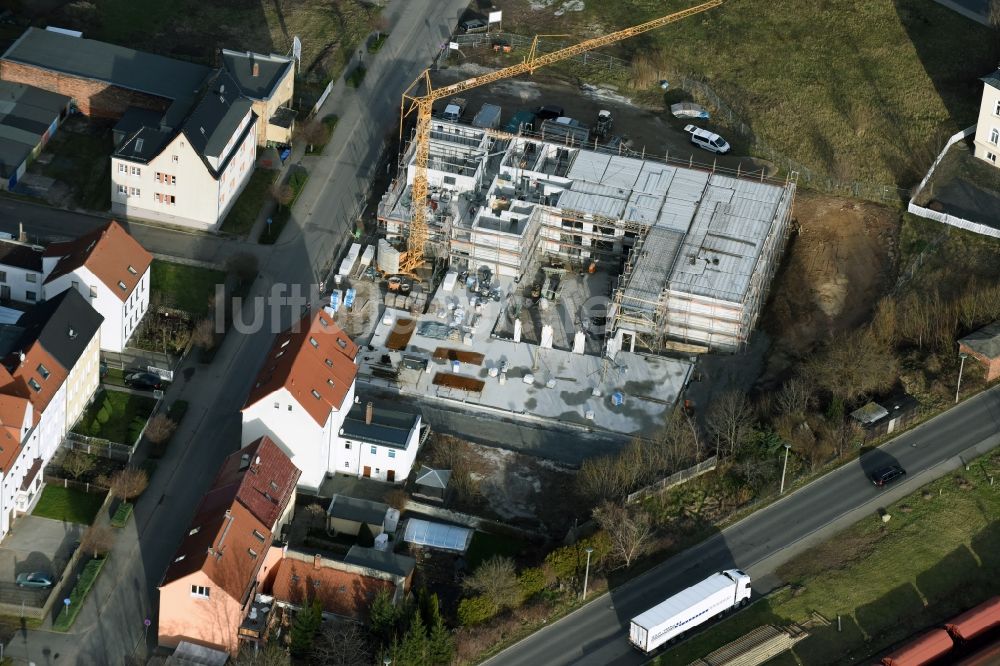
[586, 574]
[784, 468]
[386, 661]
[961, 366]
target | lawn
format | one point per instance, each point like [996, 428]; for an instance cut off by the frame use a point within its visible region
[116, 416]
[856, 90]
[68, 505]
[244, 212]
[188, 288]
[81, 160]
[297, 179]
[485, 545]
[885, 581]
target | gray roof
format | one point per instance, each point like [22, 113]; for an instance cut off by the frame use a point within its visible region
[64, 325]
[136, 118]
[26, 113]
[270, 70]
[123, 67]
[216, 116]
[144, 144]
[985, 341]
[21, 255]
[389, 427]
[358, 510]
[433, 478]
[380, 560]
[992, 80]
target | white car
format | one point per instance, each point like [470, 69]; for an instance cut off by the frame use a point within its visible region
[708, 140]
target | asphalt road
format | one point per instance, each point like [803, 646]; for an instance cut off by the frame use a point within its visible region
[110, 628]
[597, 633]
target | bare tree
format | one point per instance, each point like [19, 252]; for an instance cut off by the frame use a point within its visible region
[160, 428]
[313, 132]
[203, 334]
[271, 655]
[994, 14]
[340, 644]
[795, 396]
[628, 531]
[730, 421]
[496, 580]
[129, 483]
[853, 365]
[396, 498]
[282, 193]
[78, 463]
[98, 540]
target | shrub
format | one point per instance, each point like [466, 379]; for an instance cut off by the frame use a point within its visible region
[476, 610]
[122, 514]
[67, 616]
[567, 563]
[531, 581]
[365, 537]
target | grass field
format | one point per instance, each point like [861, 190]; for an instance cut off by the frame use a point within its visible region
[80, 161]
[862, 91]
[244, 212]
[938, 555]
[68, 505]
[330, 30]
[188, 288]
[117, 416]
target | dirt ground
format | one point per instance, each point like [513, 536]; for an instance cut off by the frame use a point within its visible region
[839, 261]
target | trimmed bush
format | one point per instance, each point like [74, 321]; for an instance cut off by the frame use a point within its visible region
[568, 562]
[475, 610]
[67, 616]
[531, 581]
[122, 514]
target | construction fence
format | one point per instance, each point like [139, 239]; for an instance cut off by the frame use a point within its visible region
[674, 479]
[704, 94]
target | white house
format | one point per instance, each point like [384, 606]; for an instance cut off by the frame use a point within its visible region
[302, 394]
[378, 442]
[110, 269]
[22, 272]
[987, 141]
[47, 375]
[193, 176]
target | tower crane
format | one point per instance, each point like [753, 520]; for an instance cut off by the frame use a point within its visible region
[422, 104]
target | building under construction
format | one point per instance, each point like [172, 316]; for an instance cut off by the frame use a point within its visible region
[692, 251]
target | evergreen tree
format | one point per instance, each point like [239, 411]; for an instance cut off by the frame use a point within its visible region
[304, 627]
[384, 617]
[413, 651]
[440, 646]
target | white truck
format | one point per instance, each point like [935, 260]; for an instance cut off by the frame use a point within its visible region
[689, 608]
[454, 109]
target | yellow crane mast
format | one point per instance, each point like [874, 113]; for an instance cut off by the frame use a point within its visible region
[423, 103]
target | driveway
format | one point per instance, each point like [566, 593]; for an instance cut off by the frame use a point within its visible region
[34, 544]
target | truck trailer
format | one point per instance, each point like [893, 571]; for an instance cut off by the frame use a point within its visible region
[689, 608]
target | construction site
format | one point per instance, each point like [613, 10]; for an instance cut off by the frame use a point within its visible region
[555, 276]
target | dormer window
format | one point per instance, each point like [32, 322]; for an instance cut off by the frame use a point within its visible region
[329, 362]
[132, 270]
[252, 552]
[313, 342]
[179, 558]
[323, 321]
[342, 343]
[315, 394]
[258, 535]
[330, 382]
[43, 371]
[194, 531]
[285, 343]
[35, 385]
[121, 285]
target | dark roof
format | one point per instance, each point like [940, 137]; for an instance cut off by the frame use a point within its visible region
[992, 80]
[270, 70]
[282, 117]
[20, 255]
[126, 68]
[216, 116]
[985, 341]
[136, 118]
[259, 476]
[358, 510]
[433, 478]
[389, 427]
[144, 144]
[64, 325]
[380, 560]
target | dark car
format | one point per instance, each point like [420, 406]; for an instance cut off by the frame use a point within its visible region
[887, 475]
[549, 112]
[37, 580]
[146, 381]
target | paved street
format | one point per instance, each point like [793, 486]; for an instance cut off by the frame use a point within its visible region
[596, 634]
[110, 628]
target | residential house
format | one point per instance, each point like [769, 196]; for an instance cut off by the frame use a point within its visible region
[302, 395]
[111, 270]
[209, 589]
[987, 140]
[344, 588]
[984, 346]
[379, 442]
[269, 82]
[48, 373]
[346, 515]
[22, 272]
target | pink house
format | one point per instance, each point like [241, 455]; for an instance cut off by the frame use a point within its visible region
[208, 592]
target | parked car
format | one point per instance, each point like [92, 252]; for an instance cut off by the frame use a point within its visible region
[710, 141]
[36, 580]
[144, 381]
[549, 112]
[887, 475]
[473, 26]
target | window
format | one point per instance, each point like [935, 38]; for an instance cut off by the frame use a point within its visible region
[374, 450]
[43, 371]
[289, 408]
[136, 171]
[3, 276]
[122, 167]
[277, 405]
[34, 385]
[392, 453]
[123, 190]
[329, 362]
[258, 535]
[274, 486]
[347, 464]
[342, 343]
[132, 270]
[996, 109]
[200, 591]
[179, 558]
[31, 277]
[992, 157]
[313, 342]
[315, 394]
[138, 145]
[169, 199]
[75, 284]
[121, 285]
[449, 180]
[194, 530]
[93, 291]
[133, 191]
[175, 159]
[995, 136]
[252, 552]
[347, 445]
[30, 296]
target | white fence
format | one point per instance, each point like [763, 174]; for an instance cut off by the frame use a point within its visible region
[959, 222]
[674, 479]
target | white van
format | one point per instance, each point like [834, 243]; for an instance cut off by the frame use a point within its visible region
[707, 140]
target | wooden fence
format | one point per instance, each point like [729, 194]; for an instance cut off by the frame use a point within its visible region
[674, 479]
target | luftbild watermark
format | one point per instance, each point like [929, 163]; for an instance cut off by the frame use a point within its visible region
[253, 314]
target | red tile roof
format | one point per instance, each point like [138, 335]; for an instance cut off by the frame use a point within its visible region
[109, 252]
[12, 409]
[236, 516]
[314, 361]
[340, 592]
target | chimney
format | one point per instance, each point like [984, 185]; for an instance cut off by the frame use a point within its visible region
[317, 561]
[256, 70]
[369, 411]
